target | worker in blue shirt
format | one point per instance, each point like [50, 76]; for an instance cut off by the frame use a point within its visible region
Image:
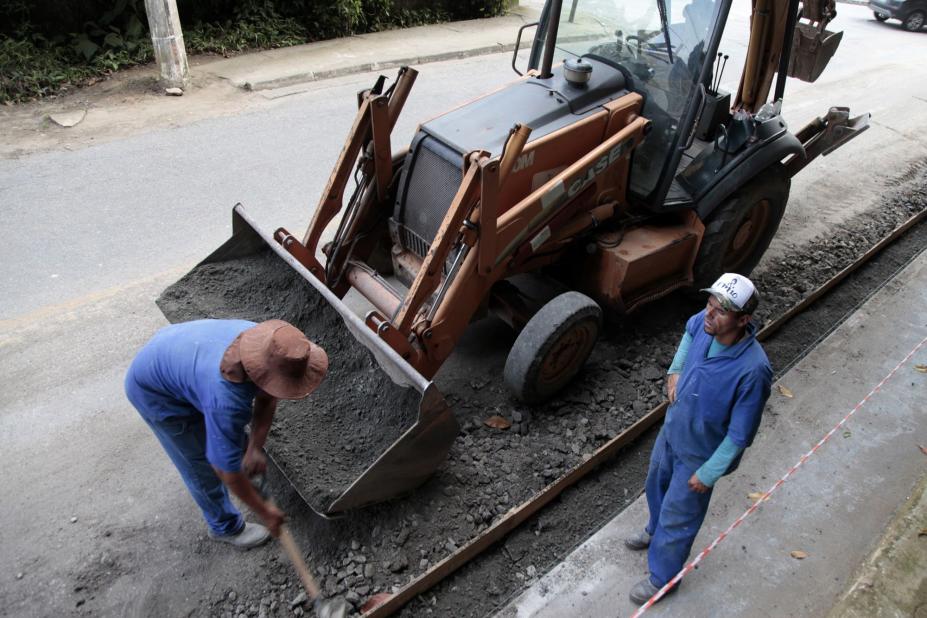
[198, 385]
[718, 385]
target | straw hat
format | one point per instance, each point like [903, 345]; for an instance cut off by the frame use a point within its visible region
[278, 358]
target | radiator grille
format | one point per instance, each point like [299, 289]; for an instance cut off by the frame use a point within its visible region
[434, 178]
[413, 242]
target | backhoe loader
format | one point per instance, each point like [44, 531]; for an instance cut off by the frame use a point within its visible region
[614, 164]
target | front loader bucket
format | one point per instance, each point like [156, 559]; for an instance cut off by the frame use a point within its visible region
[375, 428]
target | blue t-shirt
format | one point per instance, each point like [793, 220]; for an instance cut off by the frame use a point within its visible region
[719, 396]
[176, 375]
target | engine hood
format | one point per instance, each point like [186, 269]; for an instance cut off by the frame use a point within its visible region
[545, 105]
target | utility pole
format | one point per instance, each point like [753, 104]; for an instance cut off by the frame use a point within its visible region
[167, 40]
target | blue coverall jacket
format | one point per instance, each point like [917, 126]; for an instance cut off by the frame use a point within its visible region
[715, 397]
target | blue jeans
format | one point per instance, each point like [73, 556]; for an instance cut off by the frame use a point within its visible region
[676, 512]
[184, 441]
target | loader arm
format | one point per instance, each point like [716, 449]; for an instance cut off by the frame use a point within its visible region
[367, 147]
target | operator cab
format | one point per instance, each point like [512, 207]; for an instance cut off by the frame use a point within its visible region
[665, 52]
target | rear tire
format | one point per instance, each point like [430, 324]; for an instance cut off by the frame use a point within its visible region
[879, 16]
[739, 231]
[914, 21]
[552, 347]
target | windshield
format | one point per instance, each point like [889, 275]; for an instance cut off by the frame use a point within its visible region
[660, 46]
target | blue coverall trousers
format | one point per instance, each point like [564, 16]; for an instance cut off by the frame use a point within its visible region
[676, 512]
[184, 441]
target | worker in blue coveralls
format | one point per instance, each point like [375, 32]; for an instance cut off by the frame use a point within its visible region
[198, 385]
[717, 385]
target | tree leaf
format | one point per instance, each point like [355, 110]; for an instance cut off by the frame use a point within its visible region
[134, 28]
[376, 600]
[85, 46]
[921, 368]
[497, 422]
[798, 554]
[113, 40]
[785, 391]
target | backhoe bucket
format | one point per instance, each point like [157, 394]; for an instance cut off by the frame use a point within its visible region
[812, 49]
[375, 428]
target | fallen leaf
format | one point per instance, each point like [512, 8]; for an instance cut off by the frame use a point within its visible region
[375, 601]
[847, 434]
[497, 422]
[756, 496]
[785, 391]
[798, 554]
[923, 532]
[923, 449]
[921, 368]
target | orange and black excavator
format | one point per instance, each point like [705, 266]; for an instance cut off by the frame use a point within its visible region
[622, 171]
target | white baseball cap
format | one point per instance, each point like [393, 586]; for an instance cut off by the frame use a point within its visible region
[735, 293]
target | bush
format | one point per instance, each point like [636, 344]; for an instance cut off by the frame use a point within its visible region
[47, 45]
[33, 67]
[254, 25]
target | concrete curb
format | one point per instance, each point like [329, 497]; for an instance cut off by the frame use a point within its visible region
[285, 67]
[314, 76]
[893, 580]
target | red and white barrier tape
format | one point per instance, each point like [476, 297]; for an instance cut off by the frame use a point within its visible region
[704, 553]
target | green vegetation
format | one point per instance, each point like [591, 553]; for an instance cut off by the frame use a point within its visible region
[34, 64]
[49, 46]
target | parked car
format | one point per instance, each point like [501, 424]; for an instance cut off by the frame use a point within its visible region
[911, 13]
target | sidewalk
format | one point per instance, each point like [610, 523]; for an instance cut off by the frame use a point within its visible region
[376, 51]
[847, 506]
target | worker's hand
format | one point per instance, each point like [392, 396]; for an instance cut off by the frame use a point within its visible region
[254, 462]
[671, 381]
[697, 486]
[273, 518]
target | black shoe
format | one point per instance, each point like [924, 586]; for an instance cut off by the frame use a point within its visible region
[638, 541]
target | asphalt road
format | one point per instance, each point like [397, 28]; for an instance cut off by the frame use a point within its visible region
[92, 235]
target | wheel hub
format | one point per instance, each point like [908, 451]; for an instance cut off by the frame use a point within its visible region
[569, 349]
[748, 234]
[742, 235]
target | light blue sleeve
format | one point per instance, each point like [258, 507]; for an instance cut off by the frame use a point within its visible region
[679, 361]
[719, 462]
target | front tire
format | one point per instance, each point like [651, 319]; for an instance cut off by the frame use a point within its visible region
[552, 347]
[739, 231]
[914, 21]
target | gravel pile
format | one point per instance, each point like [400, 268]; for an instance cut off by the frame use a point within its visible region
[323, 442]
